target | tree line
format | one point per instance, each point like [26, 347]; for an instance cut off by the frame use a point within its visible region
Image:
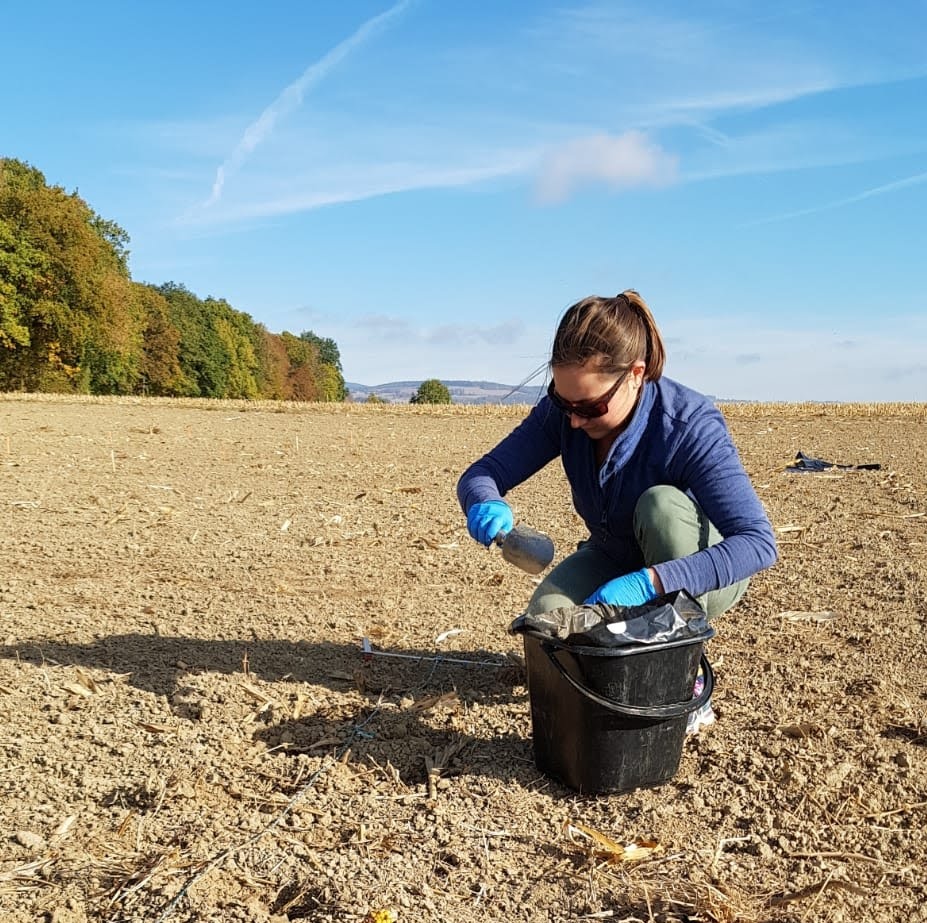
[73, 320]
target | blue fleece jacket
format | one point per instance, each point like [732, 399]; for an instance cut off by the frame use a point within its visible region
[676, 437]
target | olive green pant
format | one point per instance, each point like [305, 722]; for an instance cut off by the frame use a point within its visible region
[668, 525]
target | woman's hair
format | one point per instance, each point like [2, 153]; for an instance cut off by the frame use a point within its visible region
[611, 334]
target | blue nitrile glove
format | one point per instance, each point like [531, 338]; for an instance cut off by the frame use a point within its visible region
[487, 519]
[630, 590]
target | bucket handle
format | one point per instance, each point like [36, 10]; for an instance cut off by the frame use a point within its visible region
[676, 710]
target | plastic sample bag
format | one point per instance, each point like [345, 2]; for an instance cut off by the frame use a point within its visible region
[672, 617]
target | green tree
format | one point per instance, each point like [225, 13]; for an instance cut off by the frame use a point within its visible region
[331, 384]
[159, 369]
[220, 347]
[116, 237]
[202, 356]
[21, 282]
[328, 348]
[234, 330]
[431, 391]
[112, 354]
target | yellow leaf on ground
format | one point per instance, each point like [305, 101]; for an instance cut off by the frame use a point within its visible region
[608, 848]
[381, 916]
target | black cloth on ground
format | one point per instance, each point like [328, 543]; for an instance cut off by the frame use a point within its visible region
[807, 463]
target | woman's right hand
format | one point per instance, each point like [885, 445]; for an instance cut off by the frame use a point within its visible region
[487, 519]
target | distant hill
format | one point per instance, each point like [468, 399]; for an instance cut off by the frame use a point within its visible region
[465, 392]
[462, 392]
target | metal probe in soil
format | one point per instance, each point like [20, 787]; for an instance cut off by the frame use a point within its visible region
[367, 652]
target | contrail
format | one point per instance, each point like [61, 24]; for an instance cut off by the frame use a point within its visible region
[850, 200]
[291, 98]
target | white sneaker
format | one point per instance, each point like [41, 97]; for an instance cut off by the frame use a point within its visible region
[703, 716]
[700, 718]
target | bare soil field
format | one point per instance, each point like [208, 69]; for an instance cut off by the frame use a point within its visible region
[190, 732]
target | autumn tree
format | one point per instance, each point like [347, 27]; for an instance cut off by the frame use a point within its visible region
[66, 305]
[331, 379]
[305, 362]
[72, 319]
[159, 369]
[273, 366]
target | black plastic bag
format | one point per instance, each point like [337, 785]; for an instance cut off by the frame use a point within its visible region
[671, 617]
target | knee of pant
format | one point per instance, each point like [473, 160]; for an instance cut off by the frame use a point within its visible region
[657, 507]
[546, 599]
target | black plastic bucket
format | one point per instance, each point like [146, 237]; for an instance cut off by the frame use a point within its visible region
[612, 719]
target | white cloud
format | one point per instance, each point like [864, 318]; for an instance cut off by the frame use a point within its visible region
[320, 189]
[619, 162]
[378, 327]
[667, 67]
[914, 180]
[755, 360]
[379, 348]
[292, 96]
[686, 109]
[500, 335]
[456, 117]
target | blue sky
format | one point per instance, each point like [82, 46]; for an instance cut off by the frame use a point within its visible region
[431, 183]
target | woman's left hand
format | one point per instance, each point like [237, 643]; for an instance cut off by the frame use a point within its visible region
[633, 589]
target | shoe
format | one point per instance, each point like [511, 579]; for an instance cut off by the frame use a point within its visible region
[701, 717]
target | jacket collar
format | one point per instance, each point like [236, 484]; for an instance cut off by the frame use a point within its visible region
[623, 447]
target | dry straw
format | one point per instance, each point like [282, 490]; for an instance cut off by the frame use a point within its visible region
[852, 409]
[735, 410]
[295, 407]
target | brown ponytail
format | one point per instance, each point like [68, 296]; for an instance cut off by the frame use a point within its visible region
[612, 334]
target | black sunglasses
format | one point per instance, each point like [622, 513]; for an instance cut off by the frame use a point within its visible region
[588, 409]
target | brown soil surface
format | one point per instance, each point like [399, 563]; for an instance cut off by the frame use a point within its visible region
[189, 730]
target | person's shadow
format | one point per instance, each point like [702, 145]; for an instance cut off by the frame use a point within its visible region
[419, 716]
